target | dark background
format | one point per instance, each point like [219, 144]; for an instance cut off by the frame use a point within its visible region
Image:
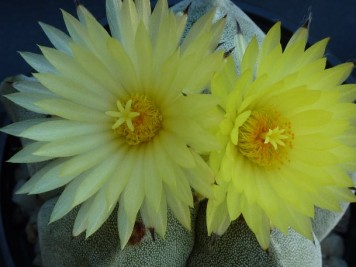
[19, 30]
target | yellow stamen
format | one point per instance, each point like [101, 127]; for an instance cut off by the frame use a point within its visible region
[140, 120]
[265, 138]
[275, 137]
[123, 115]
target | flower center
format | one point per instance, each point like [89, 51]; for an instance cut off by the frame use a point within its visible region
[265, 138]
[138, 121]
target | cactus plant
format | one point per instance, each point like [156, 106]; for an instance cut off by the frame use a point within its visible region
[238, 246]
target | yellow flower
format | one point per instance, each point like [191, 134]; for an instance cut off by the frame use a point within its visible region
[289, 137]
[128, 121]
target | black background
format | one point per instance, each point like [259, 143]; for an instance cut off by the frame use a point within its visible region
[19, 30]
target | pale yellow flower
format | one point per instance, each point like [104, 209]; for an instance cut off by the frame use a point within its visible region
[128, 124]
[289, 137]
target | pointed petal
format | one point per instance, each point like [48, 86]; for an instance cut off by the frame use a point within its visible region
[128, 22]
[56, 129]
[112, 12]
[135, 190]
[258, 223]
[75, 145]
[18, 128]
[31, 87]
[197, 138]
[180, 210]
[271, 41]
[51, 179]
[71, 111]
[59, 39]
[30, 184]
[144, 64]
[82, 162]
[75, 29]
[201, 178]
[155, 218]
[65, 202]
[70, 68]
[28, 100]
[26, 155]
[125, 225]
[176, 149]
[160, 222]
[123, 65]
[94, 179]
[80, 223]
[96, 69]
[165, 171]
[143, 11]
[233, 203]
[73, 91]
[153, 182]
[217, 218]
[105, 200]
[181, 190]
[38, 62]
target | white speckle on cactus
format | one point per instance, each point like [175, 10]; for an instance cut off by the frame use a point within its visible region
[60, 248]
[234, 15]
[294, 250]
[236, 247]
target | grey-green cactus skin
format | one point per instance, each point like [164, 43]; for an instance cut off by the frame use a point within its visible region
[235, 18]
[237, 247]
[294, 250]
[224, 8]
[60, 248]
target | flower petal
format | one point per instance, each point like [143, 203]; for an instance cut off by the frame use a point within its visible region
[176, 149]
[134, 192]
[93, 180]
[180, 210]
[81, 221]
[74, 146]
[56, 129]
[125, 225]
[65, 202]
[38, 62]
[26, 155]
[29, 100]
[69, 110]
[153, 182]
[80, 163]
[18, 128]
[59, 39]
[31, 86]
[217, 218]
[73, 91]
[51, 179]
[105, 200]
